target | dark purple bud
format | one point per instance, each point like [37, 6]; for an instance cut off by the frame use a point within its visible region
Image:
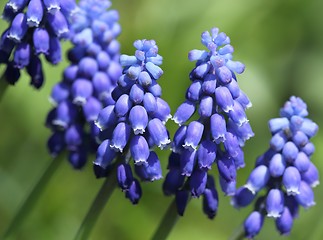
[138, 119]
[35, 72]
[150, 103]
[150, 171]
[306, 195]
[206, 107]
[173, 181]
[253, 224]
[302, 162]
[184, 112]
[239, 159]
[198, 182]
[134, 192]
[16, 5]
[54, 55]
[34, 13]
[120, 137]
[258, 179]
[91, 109]
[81, 90]
[106, 118]
[158, 133]
[193, 135]
[218, 128]
[139, 149]
[242, 198]
[22, 55]
[243, 132]
[210, 202]
[124, 176]
[187, 162]
[291, 180]
[292, 205]
[123, 105]
[56, 143]
[41, 41]
[18, 28]
[224, 98]
[193, 93]
[206, 154]
[78, 158]
[284, 223]
[275, 203]
[277, 165]
[58, 24]
[311, 176]
[181, 198]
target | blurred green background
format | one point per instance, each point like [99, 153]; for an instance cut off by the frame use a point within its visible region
[281, 44]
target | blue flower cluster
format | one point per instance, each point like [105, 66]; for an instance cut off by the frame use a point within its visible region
[136, 123]
[284, 171]
[34, 31]
[87, 83]
[219, 131]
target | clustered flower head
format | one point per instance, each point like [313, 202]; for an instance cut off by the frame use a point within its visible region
[220, 130]
[36, 27]
[136, 123]
[284, 172]
[87, 83]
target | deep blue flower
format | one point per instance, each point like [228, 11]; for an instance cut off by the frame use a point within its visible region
[86, 87]
[137, 119]
[35, 27]
[216, 137]
[284, 171]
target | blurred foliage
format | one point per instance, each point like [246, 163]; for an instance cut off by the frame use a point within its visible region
[281, 44]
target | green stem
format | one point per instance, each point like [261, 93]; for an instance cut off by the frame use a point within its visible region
[98, 204]
[239, 234]
[168, 222]
[33, 196]
[3, 84]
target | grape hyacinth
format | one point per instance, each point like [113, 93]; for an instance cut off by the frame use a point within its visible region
[87, 83]
[284, 172]
[36, 27]
[136, 123]
[216, 137]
